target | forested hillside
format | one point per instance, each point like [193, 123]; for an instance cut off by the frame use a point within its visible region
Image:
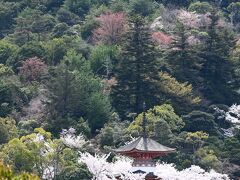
[74, 75]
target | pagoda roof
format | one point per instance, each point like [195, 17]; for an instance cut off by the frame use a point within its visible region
[145, 144]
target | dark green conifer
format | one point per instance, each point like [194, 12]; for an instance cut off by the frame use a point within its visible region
[217, 67]
[183, 57]
[137, 71]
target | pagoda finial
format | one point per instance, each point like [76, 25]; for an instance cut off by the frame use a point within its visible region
[144, 122]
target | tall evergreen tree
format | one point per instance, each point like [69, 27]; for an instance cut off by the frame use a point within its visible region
[217, 67]
[137, 72]
[183, 57]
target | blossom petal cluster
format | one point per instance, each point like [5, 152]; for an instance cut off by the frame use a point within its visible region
[70, 139]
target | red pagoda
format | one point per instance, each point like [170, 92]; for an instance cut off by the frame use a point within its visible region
[143, 150]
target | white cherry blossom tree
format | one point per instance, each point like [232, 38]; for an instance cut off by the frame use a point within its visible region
[103, 170]
[233, 115]
[70, 139]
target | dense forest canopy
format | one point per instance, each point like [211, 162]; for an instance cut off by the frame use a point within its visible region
[70, 67]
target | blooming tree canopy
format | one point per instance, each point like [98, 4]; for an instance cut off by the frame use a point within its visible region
[112, 27]
[103, 170]
[233, 115]
[162, 38]
[32, 69]
[169, 172]
[70, 139]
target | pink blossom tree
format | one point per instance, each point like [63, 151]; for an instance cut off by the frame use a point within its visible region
[32, 69]
[111, 28]
[162, 38]
[193, 20]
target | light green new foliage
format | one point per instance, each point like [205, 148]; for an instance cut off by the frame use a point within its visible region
[16, 153]
[5, 70]
[200, 7]
[6, 173]
[182, 92]
[207, 158]
[7, 51]
[163, 112]
[197, 135]
[8, 129]
[31, 153]
[196, 139]
[39, 152]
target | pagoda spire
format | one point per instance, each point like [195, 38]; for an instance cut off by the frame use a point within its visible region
[143, 150]
[144, 122]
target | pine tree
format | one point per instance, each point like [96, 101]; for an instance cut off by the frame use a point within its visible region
[137, 72]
